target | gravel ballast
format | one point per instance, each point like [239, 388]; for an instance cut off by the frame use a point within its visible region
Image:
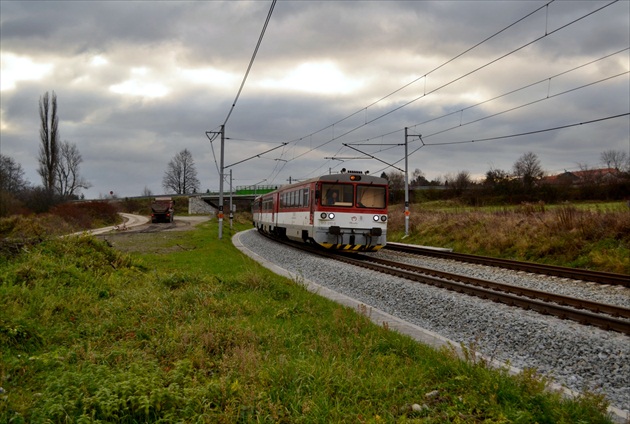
[575, 356]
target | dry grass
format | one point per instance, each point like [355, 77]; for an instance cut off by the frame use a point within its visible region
[593, 238]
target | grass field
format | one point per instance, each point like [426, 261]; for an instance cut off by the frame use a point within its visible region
[591, 235]
[181, 327]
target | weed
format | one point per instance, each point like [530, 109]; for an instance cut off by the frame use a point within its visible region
[177, 280]
[18, 335]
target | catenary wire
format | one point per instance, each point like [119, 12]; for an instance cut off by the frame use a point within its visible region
[423, 76]
[280, 166]
[251, 62]
[459, 111]
[547, 33]
[502, 137]
[548, 97]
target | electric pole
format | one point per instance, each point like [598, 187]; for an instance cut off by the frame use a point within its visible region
[407, 212]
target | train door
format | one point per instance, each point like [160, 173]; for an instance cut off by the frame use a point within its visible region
[311, 202]
[257, 209]
[274, 210]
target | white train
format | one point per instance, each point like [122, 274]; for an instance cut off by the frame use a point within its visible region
[346, 211]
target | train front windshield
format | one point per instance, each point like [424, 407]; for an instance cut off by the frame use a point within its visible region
[371, 197]
[343, 195]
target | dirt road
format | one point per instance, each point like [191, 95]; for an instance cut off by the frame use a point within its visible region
[137, 234]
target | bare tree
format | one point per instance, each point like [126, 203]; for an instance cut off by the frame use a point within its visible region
[48, 134]
[495, 177]
[396, 180]
[418, 178]
[68, 181]
[617, 159]
[462, 180]
[146, 192]
[528, 169]
[180, 175]
[11, 176]
[499, 181]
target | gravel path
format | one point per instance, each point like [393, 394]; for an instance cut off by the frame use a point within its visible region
[575, 356]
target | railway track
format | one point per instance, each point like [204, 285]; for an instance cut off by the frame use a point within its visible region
[607, 317]
[604, 316]
[557, 271]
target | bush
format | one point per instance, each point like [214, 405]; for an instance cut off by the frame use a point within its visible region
[86, 215]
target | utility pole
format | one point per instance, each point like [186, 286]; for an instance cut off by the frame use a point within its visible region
[220, 215]
[212, 135]
[231, 208]
[407, 212]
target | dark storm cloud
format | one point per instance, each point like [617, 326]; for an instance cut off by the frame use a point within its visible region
[77, 26]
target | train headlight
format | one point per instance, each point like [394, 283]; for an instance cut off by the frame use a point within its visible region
[383, 218]
[331, 216]
[376, 218]
[323, 215]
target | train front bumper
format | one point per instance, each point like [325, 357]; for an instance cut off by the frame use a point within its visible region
[351, 239]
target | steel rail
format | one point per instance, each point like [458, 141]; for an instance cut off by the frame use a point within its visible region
[557, 271]
[606, 322]
[597, 307]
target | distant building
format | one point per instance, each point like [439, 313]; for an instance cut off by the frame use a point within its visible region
[576, 178]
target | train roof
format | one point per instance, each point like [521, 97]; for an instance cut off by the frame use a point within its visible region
[352, 177]
[342, 178]
[347, 177]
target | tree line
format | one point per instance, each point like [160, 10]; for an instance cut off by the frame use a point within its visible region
[526, 182]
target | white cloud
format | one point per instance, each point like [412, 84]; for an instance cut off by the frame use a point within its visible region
[21, 68]
[99, 60]
[209, 76]
[314, 77]
[142, 84]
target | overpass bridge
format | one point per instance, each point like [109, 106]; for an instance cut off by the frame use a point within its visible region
[242, 199]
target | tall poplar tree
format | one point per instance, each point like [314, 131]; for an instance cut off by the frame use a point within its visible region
[49, 135]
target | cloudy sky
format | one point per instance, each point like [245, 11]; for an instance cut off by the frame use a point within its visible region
[337, 81]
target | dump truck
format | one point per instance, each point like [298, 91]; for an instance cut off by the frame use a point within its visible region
[162, 210]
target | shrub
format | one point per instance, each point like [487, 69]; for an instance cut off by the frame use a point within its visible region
[85, 215]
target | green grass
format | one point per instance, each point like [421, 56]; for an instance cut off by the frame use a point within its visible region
[190, 330]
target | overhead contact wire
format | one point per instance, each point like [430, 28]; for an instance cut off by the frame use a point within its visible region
[251, 62]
